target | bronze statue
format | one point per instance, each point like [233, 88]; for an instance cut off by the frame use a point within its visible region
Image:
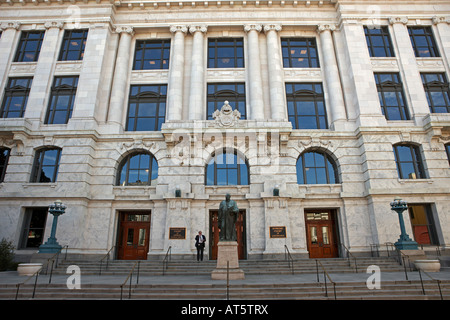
[228, 214]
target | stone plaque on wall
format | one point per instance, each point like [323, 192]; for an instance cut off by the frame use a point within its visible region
[278, 232]
[177, 233]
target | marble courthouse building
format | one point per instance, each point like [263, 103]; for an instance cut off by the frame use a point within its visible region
[140, 116]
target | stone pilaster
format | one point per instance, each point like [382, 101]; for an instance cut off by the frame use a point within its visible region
[196, 98]
[9, 31]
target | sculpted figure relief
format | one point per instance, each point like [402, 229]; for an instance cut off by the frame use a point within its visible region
[228, 214]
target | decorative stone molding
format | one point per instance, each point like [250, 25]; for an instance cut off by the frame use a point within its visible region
[250, 27]
[54, 24]
[394, 20]
[270, 27]
[440, 19]
[176, 28]
[126, 29]
[226, 117]
[202, 28]
[326, 27]
[10, 25]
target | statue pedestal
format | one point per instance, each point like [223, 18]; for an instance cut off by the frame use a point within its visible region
[227, 252]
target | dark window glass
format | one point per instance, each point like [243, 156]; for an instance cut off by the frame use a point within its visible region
[409, 162]
[392, 98]
[299, 53]
[62, 98]
[16, 97]
[138, 169]
[34, 227]
[29, 46]
[315, 167]
[151, 54]
[146, 107]
[227, 168]
[438, 92]
[4, 157]
[447, 149]
[46, 164]
[225, 53]
[423, 43]
[306, 106]
[379, 42]
[73, 45]
[218, 93]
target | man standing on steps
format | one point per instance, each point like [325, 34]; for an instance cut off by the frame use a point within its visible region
[200, 240]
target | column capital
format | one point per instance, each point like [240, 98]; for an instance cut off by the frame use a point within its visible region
[394, 20]
[250, 27]
[440, 19]
[10, 25]
[124, 29]
[326, 27]
[274, 26]
[182, 28]
[202, 28]
[54, 24]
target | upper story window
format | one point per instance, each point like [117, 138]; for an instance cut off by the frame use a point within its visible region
[438, 92]
[138, 169]
[392, 98]
[62, 98]
[46, 165]
[226, 53]
[151, 54]
[423, 42]
[4, 157]
[447, 149]
[306, 106]
[227, 168]
[316, 167]
[16, 97]
[29, 46]
[379, 42]
[299, 53]
[146, 107]
[218, 93]
[409, 161]
[73, 45]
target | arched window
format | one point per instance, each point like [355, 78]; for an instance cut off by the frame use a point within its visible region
[227, 168]
[316, 167]
[409, 162]
[46, 165]
[4, 157]
[138, 169]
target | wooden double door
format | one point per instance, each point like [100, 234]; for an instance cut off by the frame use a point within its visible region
[134, 235]
[321, 233]
[214, 234]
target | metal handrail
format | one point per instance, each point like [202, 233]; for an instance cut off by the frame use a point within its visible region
[437, 280]
[288, 257]
[36, 274]
[401, 258]
[106, 256]
[130, 276]
[52, 259]
[166, 260]
[325, 276]
[348, 256]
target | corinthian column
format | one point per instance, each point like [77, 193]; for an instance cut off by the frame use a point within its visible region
[176, 74]
[256, 107]
[333, 81]
[117, 101]
[197, 73]
[276, 77]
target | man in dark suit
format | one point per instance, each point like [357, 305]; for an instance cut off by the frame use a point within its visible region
[200, 240]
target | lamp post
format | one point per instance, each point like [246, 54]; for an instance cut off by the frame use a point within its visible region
[404, 242]
[52, 246]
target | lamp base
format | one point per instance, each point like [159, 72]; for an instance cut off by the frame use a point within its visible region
[51, 246]
[406, 245]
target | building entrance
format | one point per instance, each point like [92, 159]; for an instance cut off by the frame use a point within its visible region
[321, 233]
[214, 234]
[134, 235]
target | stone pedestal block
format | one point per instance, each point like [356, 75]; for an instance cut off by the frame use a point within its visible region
[227, 253]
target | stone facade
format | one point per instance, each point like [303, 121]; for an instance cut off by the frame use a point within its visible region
[95, 141]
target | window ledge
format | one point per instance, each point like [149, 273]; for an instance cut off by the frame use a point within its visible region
[40, 184]
[403, 181]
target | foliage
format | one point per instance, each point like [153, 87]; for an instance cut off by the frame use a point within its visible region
[6, 255]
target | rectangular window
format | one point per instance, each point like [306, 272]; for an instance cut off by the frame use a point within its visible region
[29, 46]
[15, 98]
[392, 98]
[379, 42]
[226, 53]
[146, 107]
[306, 106]
[422, 222]
[33, 227]
[438, 92]
[62, 98]
[218, 93]
[73, 45]
[151, 54]
[409, 162]
[423, 43]
[299, 53]
[46, 165]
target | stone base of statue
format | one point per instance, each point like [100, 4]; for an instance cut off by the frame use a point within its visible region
[227, 252]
